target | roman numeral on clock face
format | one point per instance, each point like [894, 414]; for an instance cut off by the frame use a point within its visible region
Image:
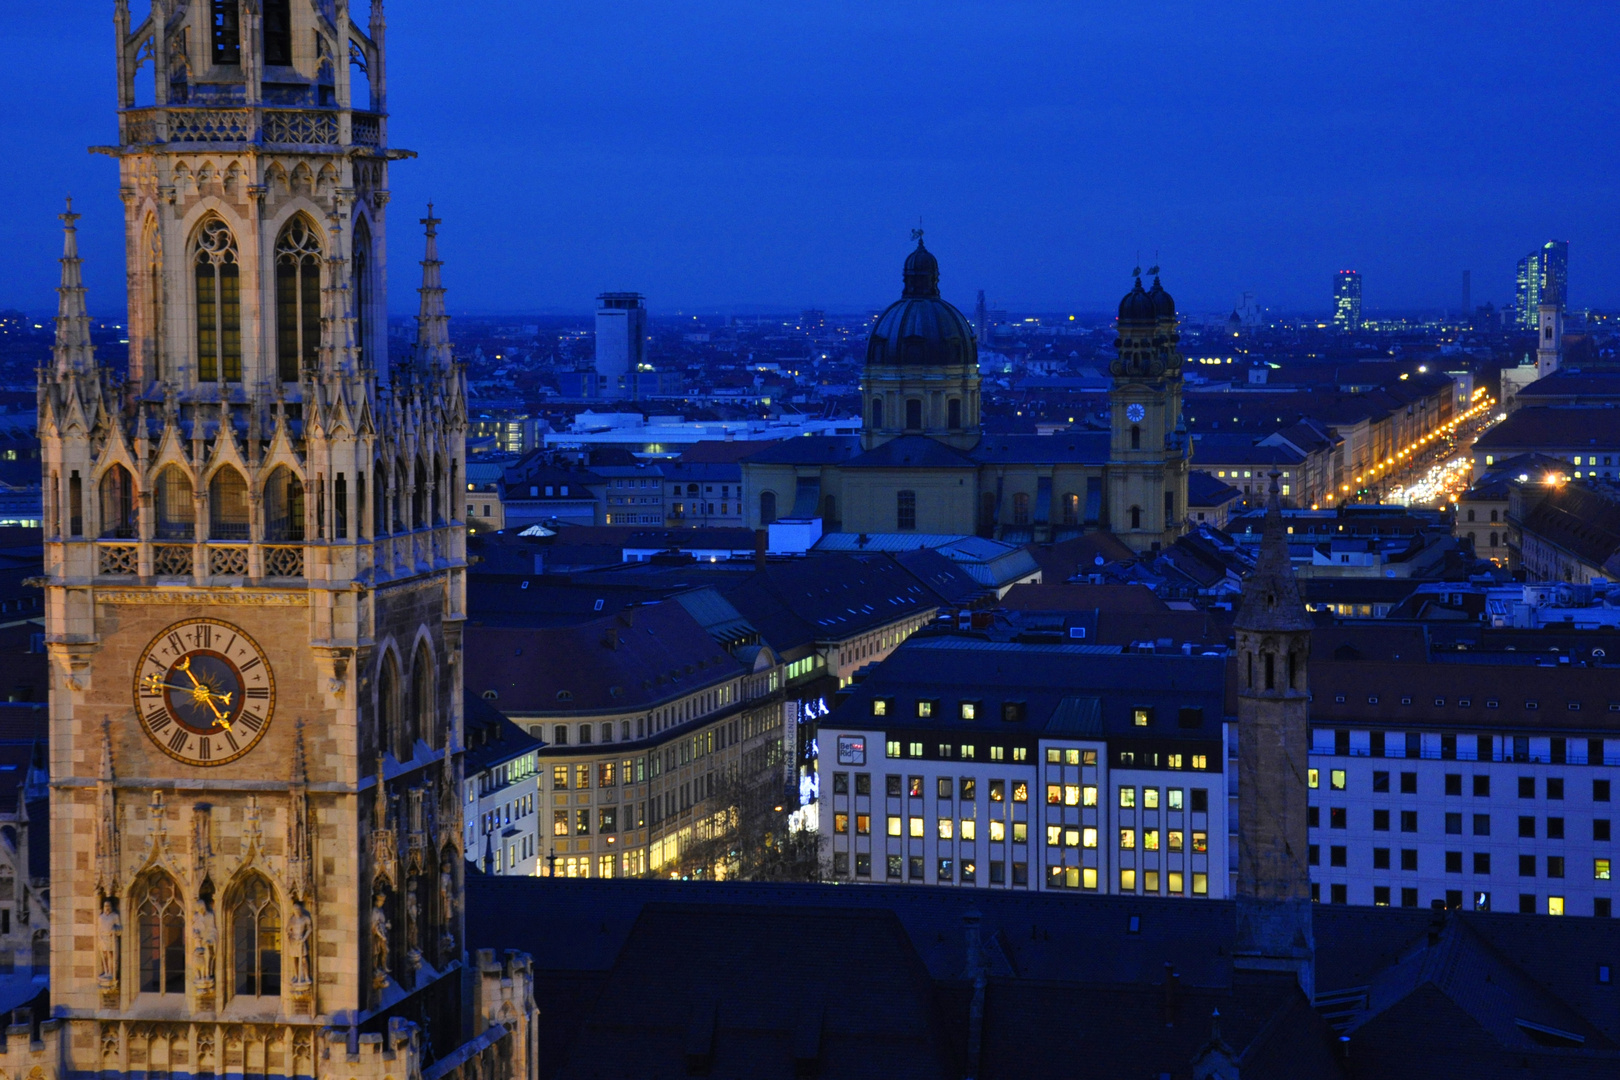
[177, 742]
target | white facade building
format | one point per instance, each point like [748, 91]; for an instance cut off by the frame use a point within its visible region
[977, 764]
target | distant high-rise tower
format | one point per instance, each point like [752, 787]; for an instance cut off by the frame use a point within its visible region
[980, 315]
[1467, 296]
[621, 344]
[1542, 277]
[1347, 300]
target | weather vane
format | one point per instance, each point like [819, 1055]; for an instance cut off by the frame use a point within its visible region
[917, 233]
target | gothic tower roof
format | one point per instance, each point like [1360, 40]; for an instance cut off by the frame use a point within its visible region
[1271, 599]
[432, 324]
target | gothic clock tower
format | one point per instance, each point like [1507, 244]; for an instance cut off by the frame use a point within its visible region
[254, 562]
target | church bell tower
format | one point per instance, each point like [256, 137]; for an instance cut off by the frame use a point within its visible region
[254, 561]
[1273, 651]
[1149, 448]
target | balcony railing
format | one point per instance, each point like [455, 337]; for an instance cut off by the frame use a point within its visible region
[246, 124]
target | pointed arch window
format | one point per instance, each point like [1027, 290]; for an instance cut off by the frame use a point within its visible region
[225, 24]
[283, 507]
[401, 496]
[219, 304]
[256, 940]
[176, 512]
[161, 931]
[419, 497]
[360, 264]
[298, 299]
[152, 301]
[422, 698]
[227, 506]
[389, 727]
[117, 504]
[278, 33]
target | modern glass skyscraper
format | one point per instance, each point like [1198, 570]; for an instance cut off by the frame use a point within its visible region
[1347, 300]
[1542, 277]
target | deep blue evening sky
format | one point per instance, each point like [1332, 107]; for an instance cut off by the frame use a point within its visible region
[728, 153]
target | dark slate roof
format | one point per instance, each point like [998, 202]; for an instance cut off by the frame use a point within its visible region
[808, 450]
[1401, 694]
[826, 597]
[955, 669]
[1205, 490]
[1063, 447]
[1580, 519]
[697, 968]
[1241, 450]
[1574, 382]
[491, 738]
[911, 452]
[1554, 427]
[720, 451]
[629, 660]
[946, 579]
[1060, 596]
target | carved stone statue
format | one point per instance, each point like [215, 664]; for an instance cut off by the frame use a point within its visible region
[204, 944]
[109, 928]
[299, 927]
[379, 936]
[413, 917]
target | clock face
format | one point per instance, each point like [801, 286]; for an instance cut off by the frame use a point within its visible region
[204, 692]
[1135, 412]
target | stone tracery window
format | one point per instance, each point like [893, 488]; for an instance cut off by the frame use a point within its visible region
[423, 698]
[176, 513]
[283, 507]
[219, 304]
[298, 299]
[256, 940]
[161, 929]
[227, 506]
[360, 270]
[117, 504]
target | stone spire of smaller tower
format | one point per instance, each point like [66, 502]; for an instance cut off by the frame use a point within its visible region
[1271, 600]
[433, 355]
[73, 352]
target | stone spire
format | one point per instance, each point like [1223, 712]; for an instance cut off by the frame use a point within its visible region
[73, 353]
[1271, 601]
[1273, 639]
[433, 355]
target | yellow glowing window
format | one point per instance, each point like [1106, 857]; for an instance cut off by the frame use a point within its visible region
[1020, 791]
[1054, 756]
[1088, 837]
[1127, 797]
[1071, 757]
[925, 708]
[1054, 794]
[1127, 839]
[1173, 839]
[1150, 798]
[1200, 884]
[1088, 878]
[947, 827]
[894, 826]
[998, 829]
[1150, 839]
[969, 709]
[840, 823]
[1140, 717]
[1337, 779]
[917, 827]
[1088, 795]
[1555, 905]
[1200, 761]
[1175, 882]
[1071, 837]
[1071, 794]
[1127, 881]
[880, 707]
[1313, 779]
[1054, 835]
[969, 829]
[1600, 869]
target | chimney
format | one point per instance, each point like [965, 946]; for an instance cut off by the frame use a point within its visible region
[610, 638]
[1171, 979]
[761, 544]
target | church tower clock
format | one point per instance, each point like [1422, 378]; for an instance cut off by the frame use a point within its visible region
[1149, 448]
[254, 561]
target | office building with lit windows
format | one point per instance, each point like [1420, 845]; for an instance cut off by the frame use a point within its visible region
[1542, 277]
[1483, 779]
[988, 765]
[1347, 300]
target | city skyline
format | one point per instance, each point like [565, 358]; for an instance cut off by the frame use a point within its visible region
[771, 160]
